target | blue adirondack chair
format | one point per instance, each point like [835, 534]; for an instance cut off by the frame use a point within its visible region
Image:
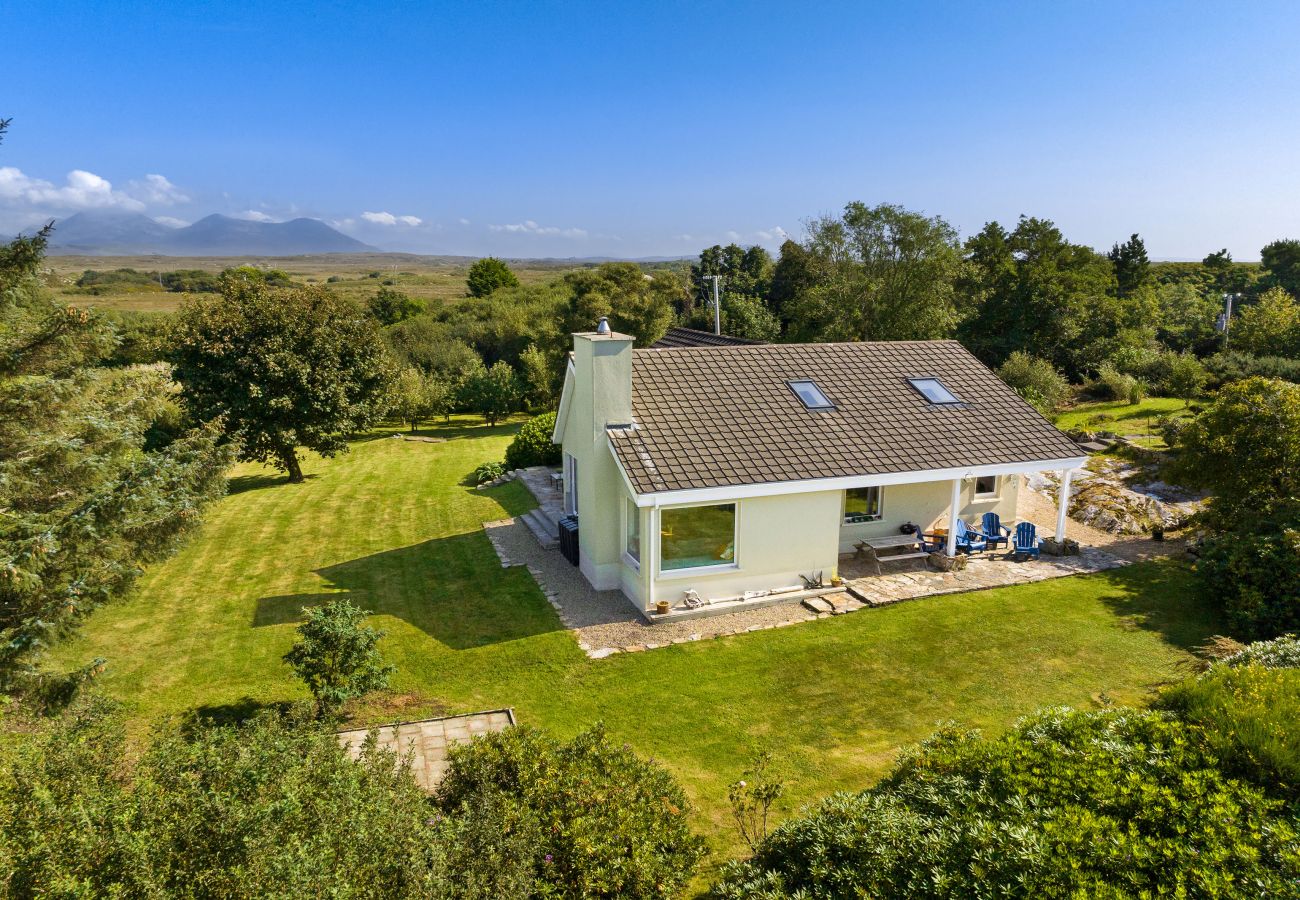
[994, 531]
[1026, 542]
[970, 540]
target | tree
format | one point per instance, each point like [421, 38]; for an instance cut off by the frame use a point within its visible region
[1281, 263]
[492, 393]
[282, 368]
[1036, 380]
[337, 656]
[416, 397]
[1186, 318]
[636, 303]
[90, 490]
[795, 273]
[538, 377]
[487, 275]
[1030, 289]
[1245, 449]
[1269, 327]
[390, 306]
[1186, 376]
[745, 278]
[1132, 267]
[885, 273]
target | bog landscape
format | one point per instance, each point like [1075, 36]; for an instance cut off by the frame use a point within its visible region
[407, 554]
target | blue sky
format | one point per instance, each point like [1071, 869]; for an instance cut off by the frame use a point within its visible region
[628, 129]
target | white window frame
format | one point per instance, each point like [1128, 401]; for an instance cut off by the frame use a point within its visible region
[995, 494]
[632, 512]
[880, 504]
[663, 574]
[570, 485]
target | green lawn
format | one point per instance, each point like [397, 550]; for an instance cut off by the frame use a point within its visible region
[391, 525]
[1123, 416]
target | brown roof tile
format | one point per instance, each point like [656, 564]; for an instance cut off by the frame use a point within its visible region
[726, 416]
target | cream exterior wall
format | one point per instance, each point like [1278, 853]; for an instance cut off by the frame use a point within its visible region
[926, 504]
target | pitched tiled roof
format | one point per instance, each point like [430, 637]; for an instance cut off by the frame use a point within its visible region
[689, 337]
[723, 416]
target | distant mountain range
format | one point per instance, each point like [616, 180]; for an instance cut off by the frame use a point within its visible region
[104, 233]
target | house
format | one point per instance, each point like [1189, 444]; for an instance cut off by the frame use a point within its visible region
[692, 337]
[731, 469]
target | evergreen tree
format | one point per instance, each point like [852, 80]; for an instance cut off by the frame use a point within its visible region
[488, 274]
[90, 491]
[1132, 268]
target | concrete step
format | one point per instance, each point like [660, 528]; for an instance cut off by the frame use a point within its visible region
[546, 531]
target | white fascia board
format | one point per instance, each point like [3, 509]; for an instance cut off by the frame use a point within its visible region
[562, 414]
[777, 488]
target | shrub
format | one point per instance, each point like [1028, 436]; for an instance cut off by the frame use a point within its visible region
[1116, 385]
[1037, 380]
[273, 808]
[1279, 653]
[532, 444]
[1229, 366]
[488, 471]
[336, 655]
[1185, 377]
[1245, 714]
[1113, 803]
[388, 307]
[1253, 573]
[608, 823]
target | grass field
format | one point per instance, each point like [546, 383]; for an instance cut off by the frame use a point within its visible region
[391, 525]
[1121, 416]
[434, 279]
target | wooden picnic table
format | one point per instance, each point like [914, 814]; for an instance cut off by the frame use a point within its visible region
[868, 548]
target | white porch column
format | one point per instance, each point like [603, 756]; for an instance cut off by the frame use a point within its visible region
[953, 512]
[1063, 503]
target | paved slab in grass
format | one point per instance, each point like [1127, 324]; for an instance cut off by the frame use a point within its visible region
[428, 739]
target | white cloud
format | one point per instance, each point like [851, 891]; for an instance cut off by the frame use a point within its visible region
[528, 226]
[775, 233]
[254, 215]
[170, 221]
[156, 190]
[464, 221]
[82, 190]
[387, 218]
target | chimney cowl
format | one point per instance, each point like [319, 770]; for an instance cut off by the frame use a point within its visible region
[602, 327]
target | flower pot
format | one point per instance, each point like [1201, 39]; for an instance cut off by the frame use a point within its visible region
[662, 607]
[836, 581]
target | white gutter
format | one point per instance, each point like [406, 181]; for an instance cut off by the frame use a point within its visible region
[811, 485]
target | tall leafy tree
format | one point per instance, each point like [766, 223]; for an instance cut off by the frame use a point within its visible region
[636, 303]
[90, 491]
[1281, 262]
[1270, 326]
[487, 275]
[884, 273]
[794, 274]
[1030, 289]
[745, 276]
[281, 368]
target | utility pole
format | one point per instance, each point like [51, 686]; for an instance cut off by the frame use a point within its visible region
[1225, 318]
[717, 305]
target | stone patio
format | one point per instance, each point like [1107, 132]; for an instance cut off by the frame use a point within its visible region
[605, 622]
[428, 739]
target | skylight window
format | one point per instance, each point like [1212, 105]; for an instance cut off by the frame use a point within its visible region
[933, 390]
[811, 395]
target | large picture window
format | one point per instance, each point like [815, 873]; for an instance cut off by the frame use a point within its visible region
[694, 536]
[633, 544]
[861, 505]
